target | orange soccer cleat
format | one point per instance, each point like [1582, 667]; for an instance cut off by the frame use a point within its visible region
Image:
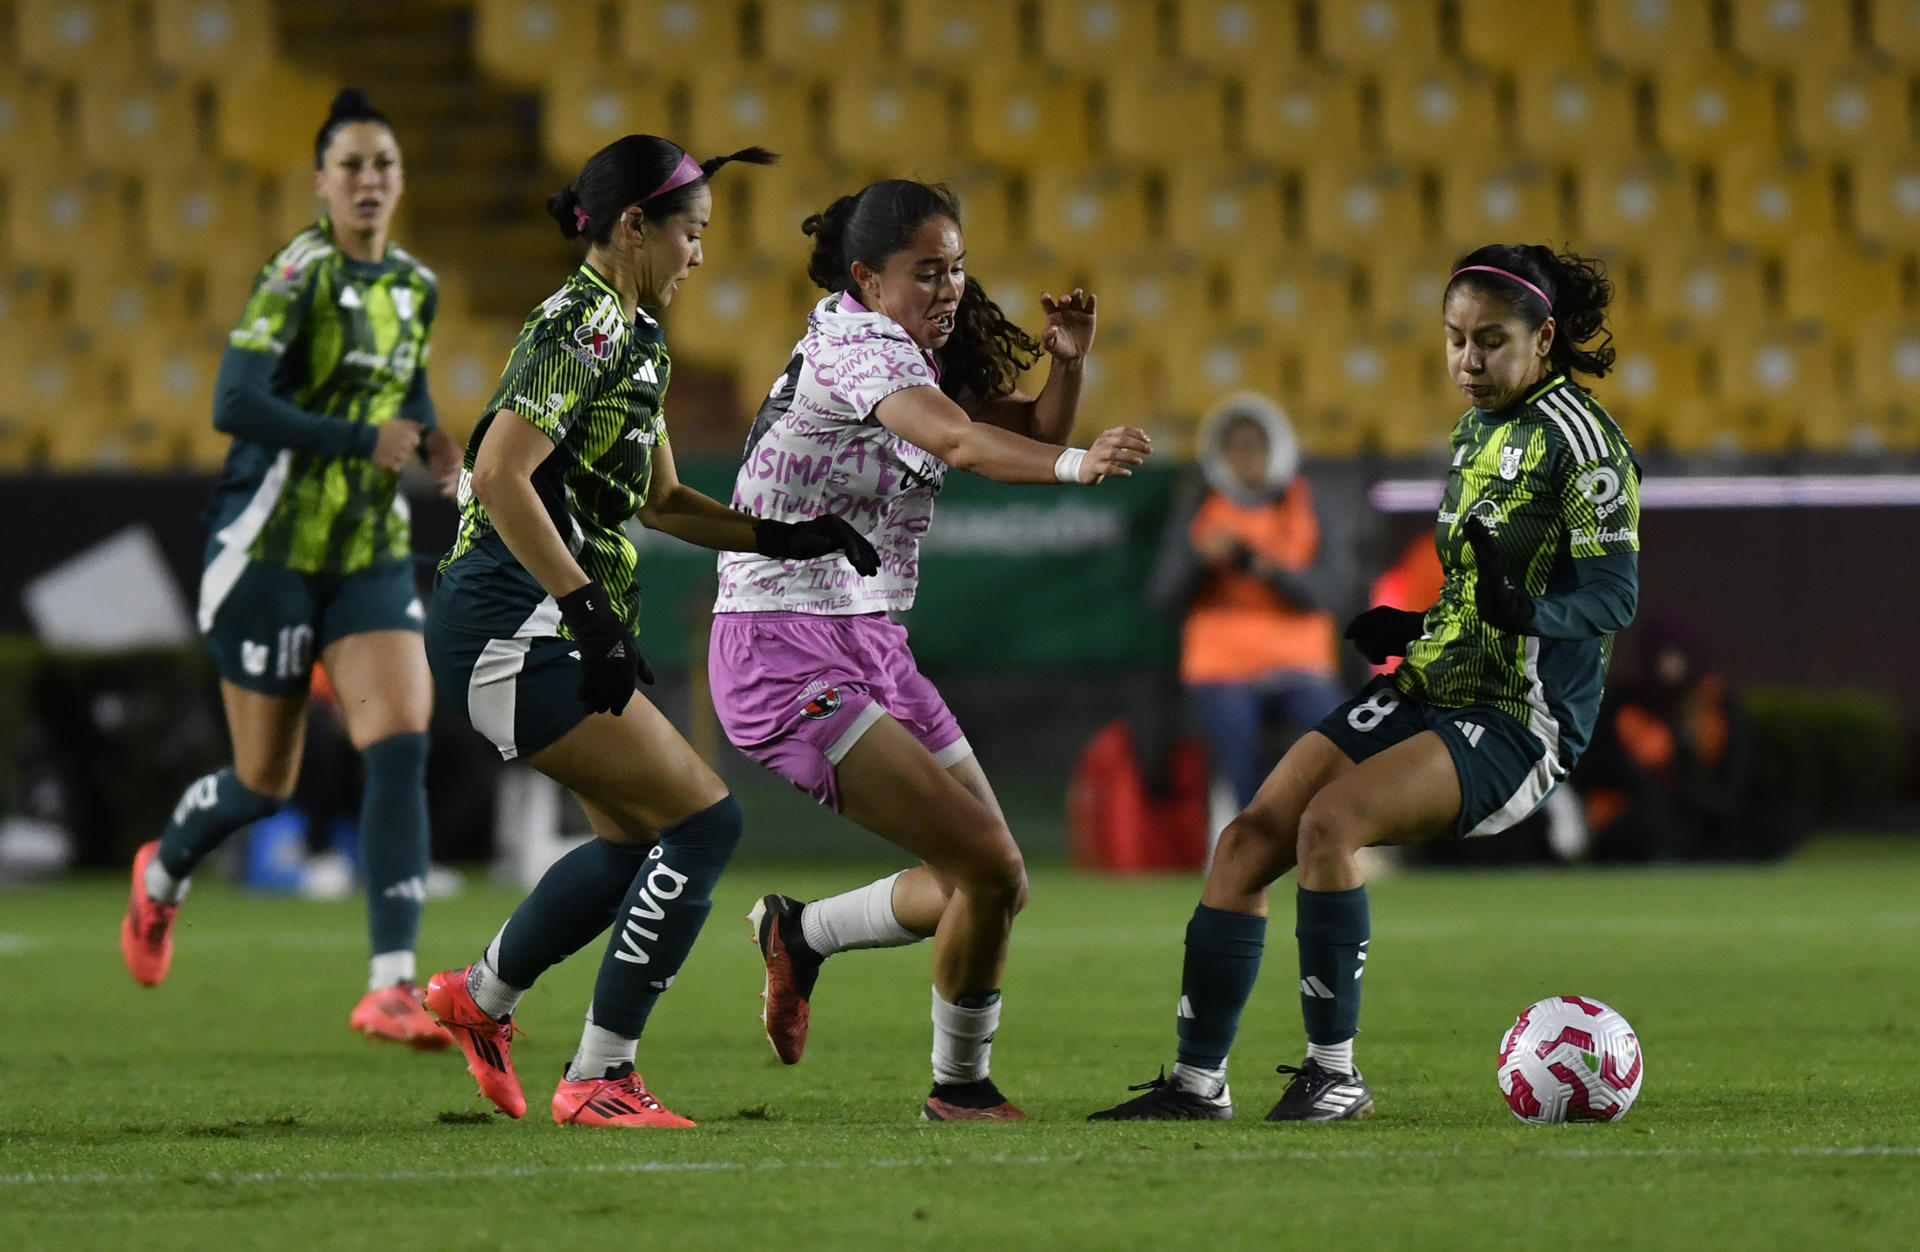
[395, 1013]
[487, 1043]
[792, 970]
[622, 1100]
[146, 932]
[978, 1101]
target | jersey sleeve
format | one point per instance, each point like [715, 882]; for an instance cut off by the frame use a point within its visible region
[276, 309]
[870, 370]
[548, 381]
[1600, 501]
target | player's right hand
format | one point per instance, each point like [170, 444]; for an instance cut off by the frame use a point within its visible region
[1383, 632]
[1116, 452]
[610, 660]
[394, 444]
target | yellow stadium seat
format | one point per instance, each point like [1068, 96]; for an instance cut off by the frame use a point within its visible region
[1239, 35]
[778, 200]
[1232, 214]
[219, 39]
[123, 309]
[184, 217]
[1837, 284]
[1780, 386]
[1101, 35]
[1437, 110]
[1654, 377]
[1376, 386]
[1574, 112]
[31, 134]
[170, 380]
[1406, 290]
[1896, 30]
[1848, 112]
[1298, 118]
[88, 38]
[1771, 202]
[1144, 299]
[986, 218]
[944, 33]
[1297, 298]
[268, 117]
[1793, 34]
[138, 124]
[881, 119]
[806, 34]
[1381, 34]
[674, 38]
[1518, 204]
[1707, 108]
[1705, 291]
[743, 316]
[225, 278]
[1199, 364]
[581, 114]
[1514, 34]
[1646, 34]
[464, 368]
[1886, 365]
[738, 109]
[1360, 211]
[1625, 203]
[54, 219]
[1086, 218]
[1027, 118]
[531, 42]
[63, 392]
[1886, 199]
[1165, 118]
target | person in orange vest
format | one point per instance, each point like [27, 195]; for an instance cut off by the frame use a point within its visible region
[1242, 564]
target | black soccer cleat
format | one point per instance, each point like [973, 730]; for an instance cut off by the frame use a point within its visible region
[969, 1102]
[1166, 1102]
[1318, 1094]
[792, 970]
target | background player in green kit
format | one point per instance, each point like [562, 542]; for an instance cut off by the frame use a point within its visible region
[533, 620]
[1538, 533]
[324, 390]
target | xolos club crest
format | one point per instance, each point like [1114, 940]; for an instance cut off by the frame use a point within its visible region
[820, 701]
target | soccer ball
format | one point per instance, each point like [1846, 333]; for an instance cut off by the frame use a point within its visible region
[1570, 1059]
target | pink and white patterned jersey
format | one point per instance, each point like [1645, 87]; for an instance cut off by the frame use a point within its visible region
[816, 448]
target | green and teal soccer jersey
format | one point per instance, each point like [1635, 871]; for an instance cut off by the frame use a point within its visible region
[345, 340]
[1558, 485]
[593, 382]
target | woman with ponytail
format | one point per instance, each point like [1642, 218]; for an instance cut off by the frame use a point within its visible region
[324, 390]
[906, 369]
[534, 623]
[1538, 533]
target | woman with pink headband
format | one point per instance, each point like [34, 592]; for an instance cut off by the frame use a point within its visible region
[532, 630]
[1538, 532]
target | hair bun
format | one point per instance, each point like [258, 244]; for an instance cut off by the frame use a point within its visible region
[562, 207]
[350, 102]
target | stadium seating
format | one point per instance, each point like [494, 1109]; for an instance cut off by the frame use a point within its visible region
[1707, 108]
[1437, 110]
[582, 114]
[1643, 35]
[1096, 35]
[1360, 211]
[674, 38]
[1232, 214]
[947, 33]
[1842, 112]
[1297, 119]
[85, 38]
[874, 120]
[217, 39]
[532, 42]
[807, 34]
[1511, 202]
[1570, 111]
[1886, 198]
[1238, 35]
[1792, 34]
[1771, 201]
[1173, 119]
[1086, 219]
[1380, 34]
[1514, 34]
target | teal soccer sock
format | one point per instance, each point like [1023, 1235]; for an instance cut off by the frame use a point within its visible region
[393, 840]
[1333, 928]
[574, 901]
[661, 916]
[1222, 963]
[211, 809]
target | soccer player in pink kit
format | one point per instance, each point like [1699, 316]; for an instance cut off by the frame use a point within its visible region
[906, 369]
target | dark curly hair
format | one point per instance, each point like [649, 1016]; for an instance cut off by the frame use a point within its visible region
[623, 174]
[987, 352]
[1577, 286]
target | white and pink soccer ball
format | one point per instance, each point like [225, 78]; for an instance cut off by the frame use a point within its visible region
[1570, 1059]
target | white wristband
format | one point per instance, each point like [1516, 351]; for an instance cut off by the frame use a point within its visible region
[1066, 467]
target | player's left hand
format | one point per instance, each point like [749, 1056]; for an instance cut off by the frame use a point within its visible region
[1070, 322]
[1501, 605]
[816, 537]
[444, 456]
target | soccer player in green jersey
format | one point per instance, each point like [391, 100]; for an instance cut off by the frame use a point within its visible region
[324, 390]
[1539, 534]
[533, 623]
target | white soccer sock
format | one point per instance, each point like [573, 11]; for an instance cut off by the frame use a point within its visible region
[1337, 1057]
[861, 918]
[389, 969]
[162, 887]
[1207, 1083]
[496, 996]
[962, 1040]
[601, 1051]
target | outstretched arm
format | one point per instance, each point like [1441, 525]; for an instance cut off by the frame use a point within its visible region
[926, 418]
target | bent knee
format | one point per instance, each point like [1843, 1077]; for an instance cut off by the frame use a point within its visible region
[1329, 828]
[997, 873]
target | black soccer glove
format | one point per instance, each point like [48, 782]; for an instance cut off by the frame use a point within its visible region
[610, 660]
[815, 537]
[1501, 605]
[1383, 632]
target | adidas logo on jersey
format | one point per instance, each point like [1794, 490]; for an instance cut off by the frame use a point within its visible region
[1471, 731]
[647, 374]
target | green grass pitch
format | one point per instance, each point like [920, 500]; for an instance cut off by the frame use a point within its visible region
[230, 1108]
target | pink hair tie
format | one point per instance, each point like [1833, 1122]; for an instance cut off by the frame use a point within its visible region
[579, 218]
[1494, 269]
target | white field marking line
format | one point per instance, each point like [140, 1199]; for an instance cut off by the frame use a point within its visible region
[1812, 1151]
[17, 945]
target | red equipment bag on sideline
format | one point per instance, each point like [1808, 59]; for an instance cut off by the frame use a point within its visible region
[1114, 823]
